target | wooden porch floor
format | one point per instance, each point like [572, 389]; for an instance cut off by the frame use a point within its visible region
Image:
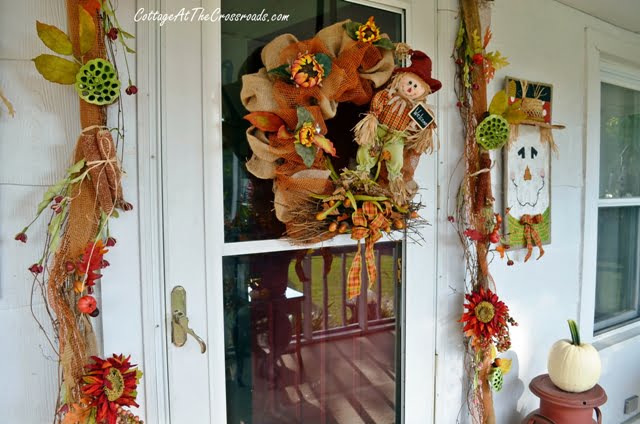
[347, 381]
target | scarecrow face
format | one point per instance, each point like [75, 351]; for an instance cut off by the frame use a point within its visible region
[528, 176]
[411, 86]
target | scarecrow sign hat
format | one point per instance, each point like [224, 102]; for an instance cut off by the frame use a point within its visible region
[421, 66]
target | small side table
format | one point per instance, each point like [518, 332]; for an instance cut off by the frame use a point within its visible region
[560, 407]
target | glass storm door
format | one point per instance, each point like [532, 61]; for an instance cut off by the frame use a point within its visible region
[284, 342]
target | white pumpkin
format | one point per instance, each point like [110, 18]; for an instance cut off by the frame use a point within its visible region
[573, 366]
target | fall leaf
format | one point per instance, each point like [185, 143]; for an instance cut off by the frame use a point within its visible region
[500, 249]
[487, 38]
[265, 121]
[476, 43]
[473, 234]
[497, 60]
[77, 414]
[324, 144]
[56, 69]
[499, 103]
[91, 6]
[504, 364]
[54, 38]
[283, 134]
[87, 30]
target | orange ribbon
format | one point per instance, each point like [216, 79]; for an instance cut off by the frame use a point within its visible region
[531, 235]
[367, 223]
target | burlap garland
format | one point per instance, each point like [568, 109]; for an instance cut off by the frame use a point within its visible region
[88, 198]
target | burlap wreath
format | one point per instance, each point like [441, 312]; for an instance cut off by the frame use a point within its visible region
[357, 69]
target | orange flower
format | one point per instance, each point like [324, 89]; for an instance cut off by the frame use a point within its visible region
[110, 384]
[306, 134]
[369, 32]
[306, 71]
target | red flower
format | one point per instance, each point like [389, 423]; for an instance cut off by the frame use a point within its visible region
[110, 384]
[90, 263]
[474, 235]
[486, 319]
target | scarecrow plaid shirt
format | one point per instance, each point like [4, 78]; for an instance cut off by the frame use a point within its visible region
[387, 114]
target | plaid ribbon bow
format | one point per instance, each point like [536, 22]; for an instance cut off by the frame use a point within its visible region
[367, 223]
[530, 234]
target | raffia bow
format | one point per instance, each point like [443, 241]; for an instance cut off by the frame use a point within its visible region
[531, 235]
[367, 224]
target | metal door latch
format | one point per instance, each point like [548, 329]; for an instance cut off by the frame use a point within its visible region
[179, 320]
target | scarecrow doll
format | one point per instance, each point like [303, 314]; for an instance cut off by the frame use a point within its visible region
[398, 121]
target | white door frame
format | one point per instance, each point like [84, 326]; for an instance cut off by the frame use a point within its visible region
[421, 276]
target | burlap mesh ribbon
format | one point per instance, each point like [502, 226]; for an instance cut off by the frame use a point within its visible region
[356, 69]
[368, 222]
[530, 234]
[90, 197]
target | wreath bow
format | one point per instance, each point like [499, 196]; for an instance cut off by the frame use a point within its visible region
[530, 233]
[367, 224]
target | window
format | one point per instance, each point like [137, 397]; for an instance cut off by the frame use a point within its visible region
[617, 299]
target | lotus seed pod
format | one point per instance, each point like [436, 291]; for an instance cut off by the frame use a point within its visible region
[97, 82]
[493, 132]
[496, 378]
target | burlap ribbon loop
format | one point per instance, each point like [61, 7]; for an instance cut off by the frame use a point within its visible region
[531, 235]
[368, 222]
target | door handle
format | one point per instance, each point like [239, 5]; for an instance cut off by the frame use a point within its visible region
[179, 320]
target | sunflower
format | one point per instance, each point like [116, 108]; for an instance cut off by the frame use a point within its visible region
[486, 318]
[306, 134]
[306, 71]
[368, 32]
[111, 384]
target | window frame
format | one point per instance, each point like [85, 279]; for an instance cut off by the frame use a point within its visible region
[612, 58]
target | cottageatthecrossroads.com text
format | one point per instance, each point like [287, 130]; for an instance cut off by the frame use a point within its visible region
[199, 14]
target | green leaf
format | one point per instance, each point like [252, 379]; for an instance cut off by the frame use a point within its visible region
[499, 103]
[384, 43]
[54, 38]
[308, 154]
[56, 69]
[76, 167]
[51, 192]
[281, 71]
[325, 61]
[54, 229]
[460, 37]
[303, 116]
[125, 34]
[351, 28]
[115, 213]
[94, 412]
[87, 30]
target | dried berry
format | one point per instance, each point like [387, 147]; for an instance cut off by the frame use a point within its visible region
[21, 237]
[36, 268]
[132, 89]
[111, 242]
[70, 266]
[510, 262]
[95, 313]
[113, 34]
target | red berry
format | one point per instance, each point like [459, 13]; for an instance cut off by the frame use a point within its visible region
[70, 266]
[58, 199]
[126, 206]
[87, 304]
[132, 89]
[113, 34]
[459, 104]
[475, 86]
[509, 262]
[89, 289]
[459, 61]
[95, 313]
[111, 242]
[494, 237]
[478, 58]
[21, 237]
[450, 218]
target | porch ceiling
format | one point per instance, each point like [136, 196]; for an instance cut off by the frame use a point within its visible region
[621, 13]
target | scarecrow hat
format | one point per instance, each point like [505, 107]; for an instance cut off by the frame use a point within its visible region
[421, 66]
